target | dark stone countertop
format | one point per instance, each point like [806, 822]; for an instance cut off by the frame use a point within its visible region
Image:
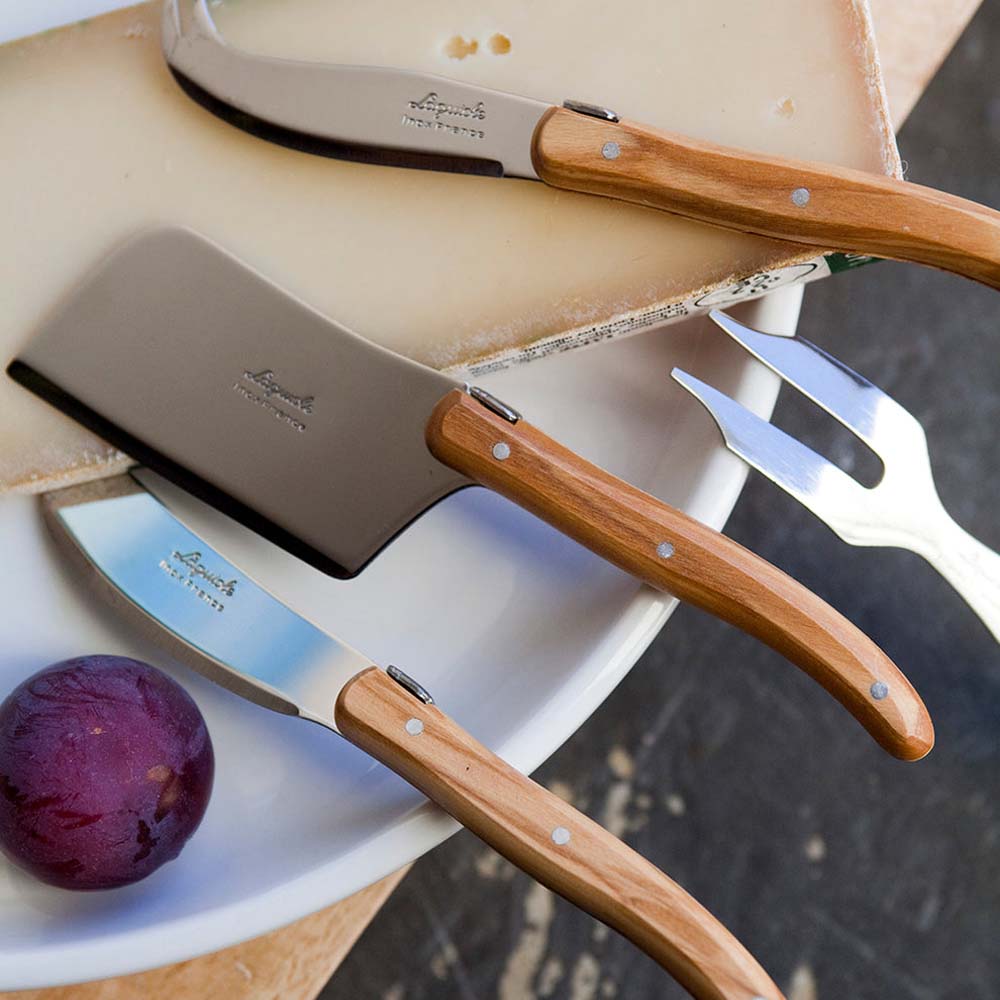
[846, 873]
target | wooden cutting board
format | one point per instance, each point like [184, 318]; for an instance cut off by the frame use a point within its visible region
[294, 963]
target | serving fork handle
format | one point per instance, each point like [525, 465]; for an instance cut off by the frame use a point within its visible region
[549, 839]
[673, 552]
[822, 205]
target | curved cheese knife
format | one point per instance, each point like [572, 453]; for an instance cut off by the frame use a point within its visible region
[200, 368]
[217, 620]
[404, 118]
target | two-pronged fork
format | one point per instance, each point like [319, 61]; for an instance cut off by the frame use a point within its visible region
[902, 510]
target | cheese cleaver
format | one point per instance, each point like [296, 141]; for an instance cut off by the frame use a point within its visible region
[220, 622]
[200, 368]
[403, 118]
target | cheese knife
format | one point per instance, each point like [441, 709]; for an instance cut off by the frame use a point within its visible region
[200, 368]
[214, 618]
[405, 118]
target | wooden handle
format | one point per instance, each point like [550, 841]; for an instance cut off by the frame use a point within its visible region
[673, 552]
[549, 839]
[822, 205]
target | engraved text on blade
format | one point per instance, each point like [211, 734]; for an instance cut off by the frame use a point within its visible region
[266, 393]
[434, 109]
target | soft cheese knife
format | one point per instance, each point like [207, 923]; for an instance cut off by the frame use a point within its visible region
[200, 368]
[220, 622]
[405, 118]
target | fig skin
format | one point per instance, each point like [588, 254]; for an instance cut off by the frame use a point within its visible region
[106, 769]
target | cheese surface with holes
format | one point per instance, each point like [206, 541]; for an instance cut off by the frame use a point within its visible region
[451, 270]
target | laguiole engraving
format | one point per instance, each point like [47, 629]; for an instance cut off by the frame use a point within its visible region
[266, 393]
[439, 115]
[188, 570]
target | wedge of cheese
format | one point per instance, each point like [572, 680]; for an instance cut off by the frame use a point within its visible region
[455, 271]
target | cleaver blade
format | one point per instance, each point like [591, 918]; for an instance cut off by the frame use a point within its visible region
[204, 370]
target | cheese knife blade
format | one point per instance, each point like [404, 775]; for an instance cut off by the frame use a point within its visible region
[216, 619]
[404, 118]
[197, 366]
[366, 113]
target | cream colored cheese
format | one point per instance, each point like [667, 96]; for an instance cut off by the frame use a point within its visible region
[99, 142]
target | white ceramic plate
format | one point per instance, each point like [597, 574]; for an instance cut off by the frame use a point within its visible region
[519, 633]
[18, 18]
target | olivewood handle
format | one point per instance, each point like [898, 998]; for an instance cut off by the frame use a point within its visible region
[549, 839]
[822, 205]
[673, 552]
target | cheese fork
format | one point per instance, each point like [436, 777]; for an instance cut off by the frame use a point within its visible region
[902, 510]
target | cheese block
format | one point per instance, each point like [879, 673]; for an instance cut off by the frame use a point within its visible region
[452, 270]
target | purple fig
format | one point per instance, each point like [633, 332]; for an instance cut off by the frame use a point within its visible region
[106, 769]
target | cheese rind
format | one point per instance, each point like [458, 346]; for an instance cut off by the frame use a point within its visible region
[451, 270]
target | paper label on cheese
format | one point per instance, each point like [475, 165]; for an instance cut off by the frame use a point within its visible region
[751, 287]
[454, 271]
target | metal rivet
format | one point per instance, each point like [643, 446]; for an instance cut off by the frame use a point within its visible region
[611, 151]
[414, 727]
[879, 690]
[501, 450]
[800, 197]
[664, 550]
[560, 836]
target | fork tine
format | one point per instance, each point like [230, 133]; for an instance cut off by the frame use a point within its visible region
[815, 482]
[848, 397]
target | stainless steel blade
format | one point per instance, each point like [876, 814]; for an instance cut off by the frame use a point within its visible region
[359, 107]
[228, 627]
[197, 366]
